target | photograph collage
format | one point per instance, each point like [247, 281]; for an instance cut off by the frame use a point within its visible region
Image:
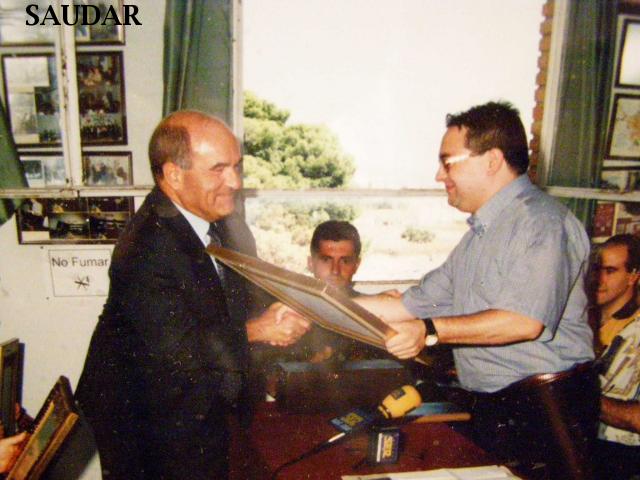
[33, 98]
[83, 220]
[620, 170]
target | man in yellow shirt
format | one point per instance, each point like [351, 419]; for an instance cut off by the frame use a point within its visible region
[617, 271]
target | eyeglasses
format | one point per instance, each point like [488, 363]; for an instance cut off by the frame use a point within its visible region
[447, 162]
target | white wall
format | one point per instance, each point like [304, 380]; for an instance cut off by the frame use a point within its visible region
[56, 330]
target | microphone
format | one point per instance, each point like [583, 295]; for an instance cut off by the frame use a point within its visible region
[395, 405]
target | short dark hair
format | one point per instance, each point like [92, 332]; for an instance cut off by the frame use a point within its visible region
[169, 143]
[632, 243]
[495, 125]
[335, 230]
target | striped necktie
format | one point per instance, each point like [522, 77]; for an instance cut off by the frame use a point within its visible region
[214, 239]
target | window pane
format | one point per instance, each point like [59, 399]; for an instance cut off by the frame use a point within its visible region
[402, 238]
[381, 75]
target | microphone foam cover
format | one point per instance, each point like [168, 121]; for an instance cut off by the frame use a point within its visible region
[399, 402]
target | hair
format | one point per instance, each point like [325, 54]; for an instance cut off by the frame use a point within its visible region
[495, 125]
[169, 143]
[632, 243]
[335, 230]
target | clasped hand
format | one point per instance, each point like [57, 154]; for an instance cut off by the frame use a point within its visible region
[278, 326]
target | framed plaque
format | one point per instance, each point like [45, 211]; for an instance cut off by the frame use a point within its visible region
[9, 384]
[318, 301]
[51, 427]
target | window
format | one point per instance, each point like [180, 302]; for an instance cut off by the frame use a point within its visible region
[374, 81]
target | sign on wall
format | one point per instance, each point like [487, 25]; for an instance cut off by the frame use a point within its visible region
[79, 273]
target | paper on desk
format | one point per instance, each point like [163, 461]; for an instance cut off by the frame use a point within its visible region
[492, 472]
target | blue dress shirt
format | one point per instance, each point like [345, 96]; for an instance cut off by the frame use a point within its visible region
[525, 253]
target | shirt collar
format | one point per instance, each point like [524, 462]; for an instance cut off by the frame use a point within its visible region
[199, 225]
[482, 219]
[627, 310]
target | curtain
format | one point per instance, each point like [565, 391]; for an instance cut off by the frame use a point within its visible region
[11, 173]
[198, 57]
[585, 91]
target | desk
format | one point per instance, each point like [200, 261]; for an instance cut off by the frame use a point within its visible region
[276, 438]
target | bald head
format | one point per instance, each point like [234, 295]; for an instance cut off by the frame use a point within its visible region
[174, 138]
[194, 159]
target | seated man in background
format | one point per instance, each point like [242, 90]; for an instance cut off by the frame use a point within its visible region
[334, 258]
[619, 332]
[335, 254]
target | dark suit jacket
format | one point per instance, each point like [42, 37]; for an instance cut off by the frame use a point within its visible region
[168, 358]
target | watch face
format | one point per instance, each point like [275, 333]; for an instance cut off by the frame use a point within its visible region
[431, 340]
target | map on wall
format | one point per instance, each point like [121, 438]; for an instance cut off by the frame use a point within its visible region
[624, 132]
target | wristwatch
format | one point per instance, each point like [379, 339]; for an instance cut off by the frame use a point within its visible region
[431, 338]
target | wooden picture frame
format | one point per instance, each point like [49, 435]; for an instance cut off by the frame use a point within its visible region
[107, 168]
[318, 301]
[10, 381]
[628, 68]
[621, 179]
[86, 220]
[52, 425]
[32, 98]
[44, 169]
[14, 30]
[103, 119]
[623, 139]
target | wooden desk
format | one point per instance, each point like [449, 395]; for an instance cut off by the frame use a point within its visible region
[276, 438]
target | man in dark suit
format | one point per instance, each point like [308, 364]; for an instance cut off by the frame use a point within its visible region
[168, 359]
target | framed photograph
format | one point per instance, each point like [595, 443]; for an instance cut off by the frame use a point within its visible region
[10, 381]
[31, 90]
[627, 218]
[107, 30]
[621, 179]
[604, 221]
[624, 128]
[105, 14]
[320, 302]
[33, 101]
[107, 168]
[101, 98]
[628, 72]
[44, 169]
[52, 425]
[93, 220]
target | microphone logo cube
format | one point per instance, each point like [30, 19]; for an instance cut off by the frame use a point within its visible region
[384, 445]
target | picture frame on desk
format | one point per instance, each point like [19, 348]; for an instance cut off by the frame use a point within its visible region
[623, 139]
[52, 425]
[628, 68]
[10, 381]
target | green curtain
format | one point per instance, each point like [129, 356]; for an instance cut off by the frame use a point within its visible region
[11, 173]
[198, 57]
[585, 91]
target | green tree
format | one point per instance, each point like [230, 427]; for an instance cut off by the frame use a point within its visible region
[281, 156]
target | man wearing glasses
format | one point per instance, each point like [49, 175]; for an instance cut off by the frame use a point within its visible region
[510, 298]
